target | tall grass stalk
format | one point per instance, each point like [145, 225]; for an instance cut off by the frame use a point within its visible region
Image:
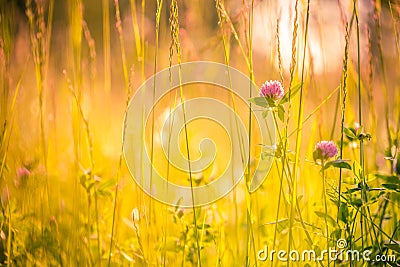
[4, 147]
[7, 12]
[157, 33]
[396, 38]
[299, 123]
[278, 49]
[224, 14]
[368, 209]
[363, 191]
[138, 41]
[293, 188]
[118, 25]
[174, 26]
[383, 69]
[284, 172]
[92, 53]
[90, 173]
[75, 17]
[175, 45]
[37, 30]
[325, 208]
[118, 176]
[222, 20]
[370, 93]
[50, 13]
[343, 112]
[300, 111]
[364, 197]
[395, 31]
[158, 17]
[119, 28]
[6, 52]
[39, 45]
[106, 45]
[249, 217]
[143, 30]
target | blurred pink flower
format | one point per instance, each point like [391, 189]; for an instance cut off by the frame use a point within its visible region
[272, 89]
[22, 175]
[23, 172]
[326, 149]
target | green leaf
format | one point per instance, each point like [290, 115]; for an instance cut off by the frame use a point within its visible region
[352, 190]
[260, 101]
[394, 247]
[394, 187]
[357, 170]
[356, 202]
[178, 204]
[293, 91]
[281, 224]
[343, 213]
[205, 226]
[391, 179]
[270, 102]
[109, 183]
[329, 219]
[335, 234]
[281, 113]
[339, 163]
[350, 134]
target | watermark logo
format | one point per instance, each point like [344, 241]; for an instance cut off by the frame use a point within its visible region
[139, 155]
[340, 252]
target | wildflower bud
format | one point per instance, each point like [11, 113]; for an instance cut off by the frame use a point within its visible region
[180, 212]
[356, 126]
[135, 215]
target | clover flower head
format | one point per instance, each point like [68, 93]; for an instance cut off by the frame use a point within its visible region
[325, 150]
[272, 89]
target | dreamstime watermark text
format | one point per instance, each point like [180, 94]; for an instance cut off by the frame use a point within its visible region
[332, 254]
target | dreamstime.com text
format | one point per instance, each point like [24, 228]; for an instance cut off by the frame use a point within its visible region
[331, 254]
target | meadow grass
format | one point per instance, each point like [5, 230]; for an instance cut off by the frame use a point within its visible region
[69, 71]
